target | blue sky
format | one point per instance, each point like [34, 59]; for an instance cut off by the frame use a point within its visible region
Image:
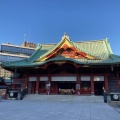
[45, 21]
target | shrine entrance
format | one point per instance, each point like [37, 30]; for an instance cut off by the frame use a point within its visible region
[65, 84]
[31, 87]
[66, 87]
[98, 87]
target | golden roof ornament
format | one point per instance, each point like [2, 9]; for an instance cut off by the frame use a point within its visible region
[65, 36]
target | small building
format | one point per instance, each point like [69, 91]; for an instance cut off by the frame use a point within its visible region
[68, 67]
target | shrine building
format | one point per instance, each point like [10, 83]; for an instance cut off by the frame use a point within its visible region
[68, 67]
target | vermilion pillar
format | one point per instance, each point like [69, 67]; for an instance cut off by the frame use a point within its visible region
[49, 85]
[49, 79]
[92, 85]
[37, 85]
[106, 83]
[78, 87]
[78, 79]
[26, 82]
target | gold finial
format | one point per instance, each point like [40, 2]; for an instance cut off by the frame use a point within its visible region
[65, 36]
[65, 33]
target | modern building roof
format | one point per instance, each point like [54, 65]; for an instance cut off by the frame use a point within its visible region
[15, 55]
[17, 46]
[96, 52]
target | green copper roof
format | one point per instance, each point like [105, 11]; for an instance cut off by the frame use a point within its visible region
[72, 43]
[100, 49]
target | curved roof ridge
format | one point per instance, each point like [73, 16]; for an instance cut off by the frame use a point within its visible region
[108, 46]
[86, 41]
[89, 41]
[36, 51]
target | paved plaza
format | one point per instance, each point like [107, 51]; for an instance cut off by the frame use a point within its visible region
[56, 110]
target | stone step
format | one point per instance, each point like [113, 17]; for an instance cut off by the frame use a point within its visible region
[80, 98]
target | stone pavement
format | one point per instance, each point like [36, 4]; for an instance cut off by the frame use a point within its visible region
[55, 110]
[115, 105]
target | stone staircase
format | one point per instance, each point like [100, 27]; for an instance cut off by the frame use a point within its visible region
[76, 98]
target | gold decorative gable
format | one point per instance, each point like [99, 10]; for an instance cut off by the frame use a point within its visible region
[67, 50]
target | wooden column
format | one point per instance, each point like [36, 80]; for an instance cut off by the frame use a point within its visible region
[106, 83]
[21, 84]
[78, 79]
[56, 88]
[26, 82]
[78, 87]
[92, 85]
[49, 84]
[49, 79]
[37, 85]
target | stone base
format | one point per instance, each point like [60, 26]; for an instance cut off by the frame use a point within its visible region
[92, 93]
[36, 92]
